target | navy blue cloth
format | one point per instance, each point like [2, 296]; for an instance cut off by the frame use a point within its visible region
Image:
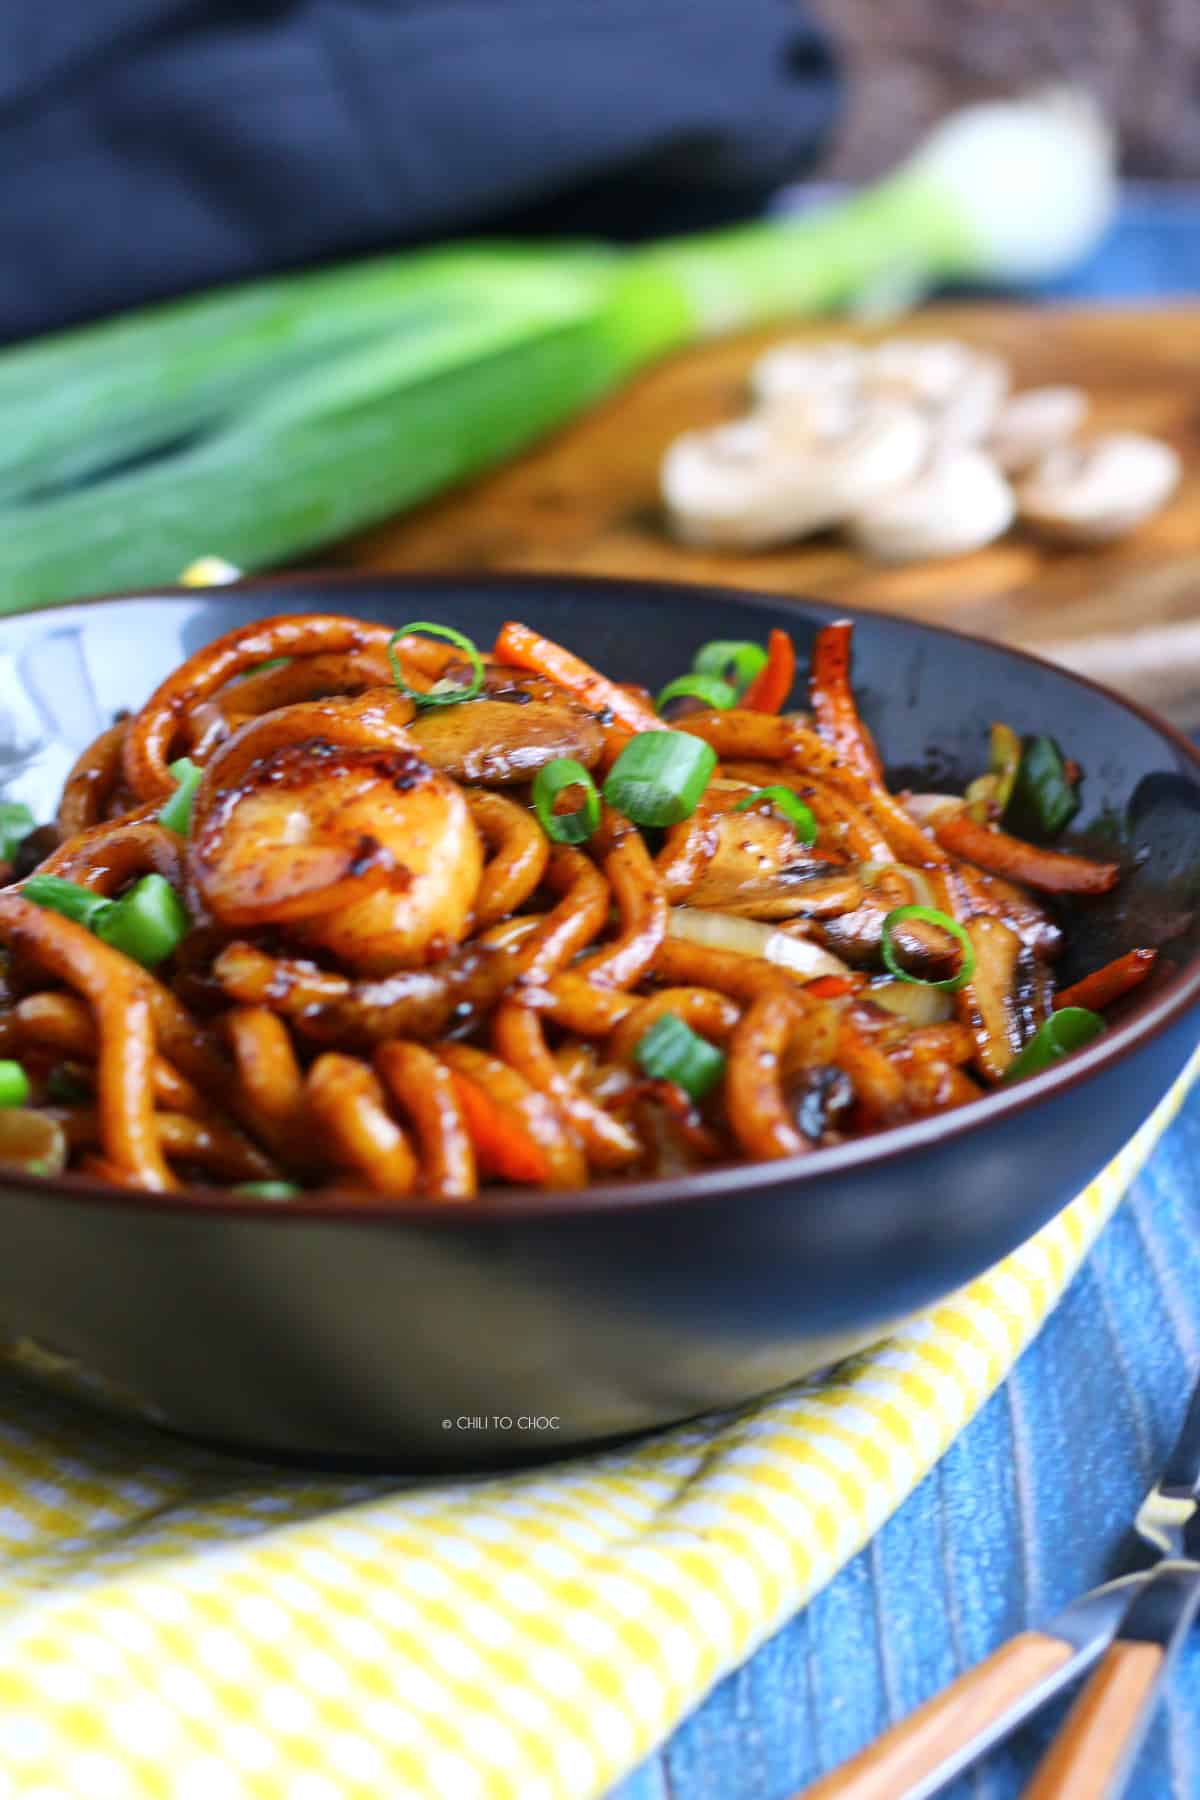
[151, 147]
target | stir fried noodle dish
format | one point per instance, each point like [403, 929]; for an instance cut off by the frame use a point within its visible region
[382, 912]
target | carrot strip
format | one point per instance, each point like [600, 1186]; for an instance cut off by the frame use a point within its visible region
[519, 1040]
[505, 1150]
[1104, 985]
[526, 649]
[1053, 871]
[770, 688]
[832, 700]
[515, 1107]
[834, 987]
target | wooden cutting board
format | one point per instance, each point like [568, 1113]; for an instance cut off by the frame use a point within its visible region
[1129, 614]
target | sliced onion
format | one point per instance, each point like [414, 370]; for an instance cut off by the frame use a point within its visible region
[912, 1001]
[927, 808]
[750, 937]
[922, 892]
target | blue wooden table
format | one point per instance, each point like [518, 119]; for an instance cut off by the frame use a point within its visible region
[1033, 1503]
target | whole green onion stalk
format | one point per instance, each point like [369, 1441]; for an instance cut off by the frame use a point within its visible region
[264, 421]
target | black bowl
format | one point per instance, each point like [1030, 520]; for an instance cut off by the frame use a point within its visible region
[528, 1325]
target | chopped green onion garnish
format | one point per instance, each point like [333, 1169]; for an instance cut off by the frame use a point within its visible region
[14, 1083]
[734, 660]
[66, 897]
[559, 776]
[787, 803]
[672, 1051]
[1064, 1031]
[442, 694]
[16, 823]
[928, 915]
[709, 688]
[659, 777]
[176, 815]
[268, 1190]
[147, 923]
[1043, 802]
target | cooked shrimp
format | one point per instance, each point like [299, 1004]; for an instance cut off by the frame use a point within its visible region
[323, 818]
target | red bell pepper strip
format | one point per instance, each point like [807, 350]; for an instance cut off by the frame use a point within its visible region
[832, 700]
[769, 690]
[1104, 985]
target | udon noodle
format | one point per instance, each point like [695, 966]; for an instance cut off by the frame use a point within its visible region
[347, 908]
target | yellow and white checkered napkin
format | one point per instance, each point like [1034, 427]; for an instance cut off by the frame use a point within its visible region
[178, 1627]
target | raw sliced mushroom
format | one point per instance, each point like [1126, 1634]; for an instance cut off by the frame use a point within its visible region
[923, 369]
[791, 372]
[753, 484]
[1031, 424]
[971, 411]
[1089, 492]
[961, 389]
[959, 502]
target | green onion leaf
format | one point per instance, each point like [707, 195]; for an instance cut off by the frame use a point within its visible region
[439, 695]
[1043, 802]
[928, 915]
[267, 1190]
[176, 815]
[66, 897]
[734, 660]
[659, 777]
[787, 803]
[14, 1083]
[672, 1051]
[709, 688]
[557, 777]
[262, 668]
[147, 923]
[16, 823]
[1064, 1031]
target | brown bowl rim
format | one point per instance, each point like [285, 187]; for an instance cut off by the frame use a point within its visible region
[1145, 1021]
